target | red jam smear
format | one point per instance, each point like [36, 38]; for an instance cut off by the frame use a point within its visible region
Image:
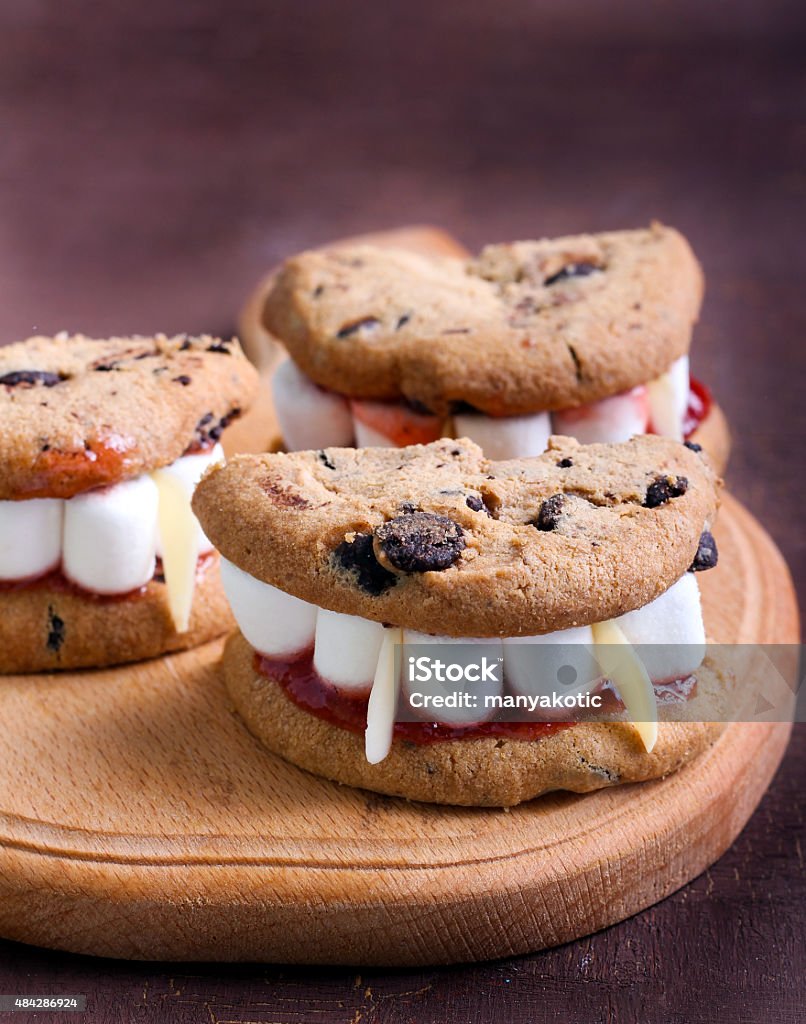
[55, 580]
[700, 401]
[57, 474]
[304, 687]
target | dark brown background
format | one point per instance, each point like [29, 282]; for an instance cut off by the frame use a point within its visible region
[157, 158]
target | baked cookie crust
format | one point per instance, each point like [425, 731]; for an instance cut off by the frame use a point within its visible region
[485, 772]
[524, 327]
[79, 413]
[47, 629]
[439, 539]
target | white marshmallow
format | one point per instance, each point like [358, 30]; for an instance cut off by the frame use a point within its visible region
[668, 400]
[610, 420]
[541, 665]
[110, 537]
[30, 537]
[346, 650]
[274, 623]
[505, 437]
[668, 633]
[460, 651]
[681, 382]
[368, 437]
[309, 416]
[187, 471]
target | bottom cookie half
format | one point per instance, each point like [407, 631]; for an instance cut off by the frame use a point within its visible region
[482, 772]
[44, 628]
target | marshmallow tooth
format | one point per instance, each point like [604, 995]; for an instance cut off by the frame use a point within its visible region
[505, 437]
[681, 385]
[668, 633]
[275, 623]
[560, 662]
[346, 650]
[110, 537]
[30, 537]
[668, 400]
[610, 420]
[309, 416]
[458, 655]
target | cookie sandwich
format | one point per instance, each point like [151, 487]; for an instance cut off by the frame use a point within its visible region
[586, 336]
[101, 558]
[332, 559]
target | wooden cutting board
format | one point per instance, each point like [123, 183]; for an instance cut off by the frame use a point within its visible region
[139, 818]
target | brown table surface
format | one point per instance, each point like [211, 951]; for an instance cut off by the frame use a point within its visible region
[156, 159]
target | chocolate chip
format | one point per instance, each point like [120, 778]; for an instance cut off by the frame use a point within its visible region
[693, 446]
[565, 463]
[208, 430]
[366, 322]
[550, 511]
[221, 347]
[474, 503]
[358, 556]
[420, 542]
[325, 459]
[663, 488]
[186, 344]
[31, 377]
[460, 408]
[183, 379]
[707, 555]
[281, 494]
[402, 321]
[319, 291]
[417, 406]
[105, 367]
[492, 502]
[55, 632]
[572, 270]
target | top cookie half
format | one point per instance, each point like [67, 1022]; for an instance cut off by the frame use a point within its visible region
[524, 327]
[439, 539]
[79, 413]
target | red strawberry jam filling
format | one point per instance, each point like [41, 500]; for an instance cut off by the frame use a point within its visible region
[58, 474]
[699, 405]
[304, 687]
[56, 581]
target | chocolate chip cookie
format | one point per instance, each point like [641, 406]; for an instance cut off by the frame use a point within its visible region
[524, 327]
[79, 413]
[439, 539]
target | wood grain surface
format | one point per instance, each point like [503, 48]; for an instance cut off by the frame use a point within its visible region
[156, 160]
[162, 830]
